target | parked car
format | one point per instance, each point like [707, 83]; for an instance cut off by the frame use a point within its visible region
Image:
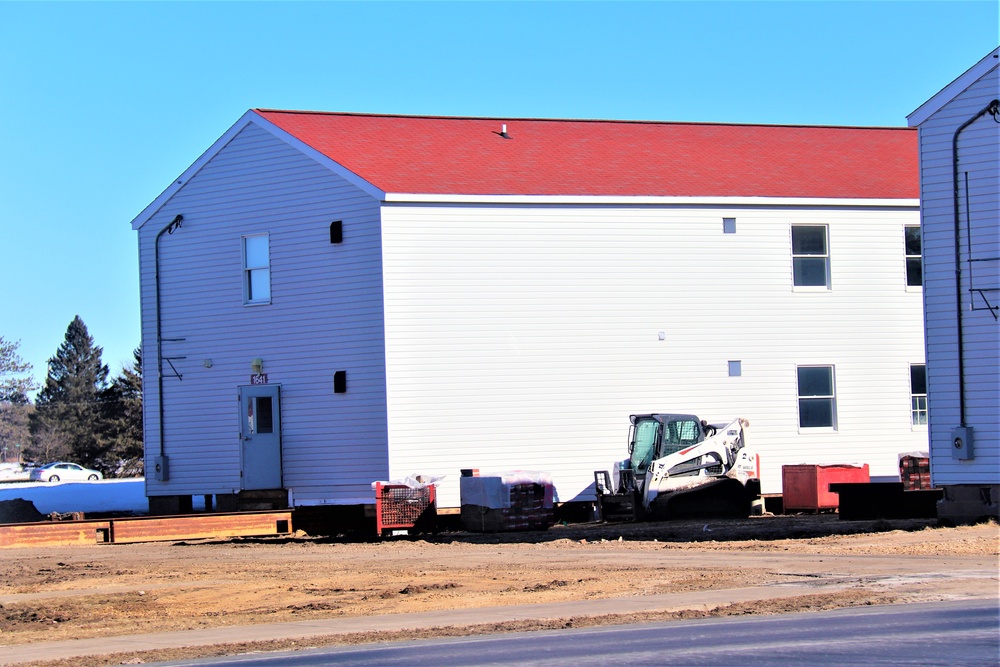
[61, 471]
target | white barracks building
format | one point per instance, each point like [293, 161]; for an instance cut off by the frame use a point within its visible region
[330, 299]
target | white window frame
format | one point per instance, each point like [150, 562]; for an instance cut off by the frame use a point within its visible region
[908, 258]
[918, 402]
[255, 271]
[831, 397]
[825, 256]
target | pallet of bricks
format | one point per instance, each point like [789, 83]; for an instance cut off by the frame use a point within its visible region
[505, 502]
[915, 471]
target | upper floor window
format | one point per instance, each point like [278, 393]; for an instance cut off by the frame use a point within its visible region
[256, 269]
[810, 256]
[914, 262]
[817, 399]
[918, 394]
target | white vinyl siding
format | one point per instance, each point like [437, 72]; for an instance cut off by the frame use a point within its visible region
[325, 316]
[522, 337]
[978, 147]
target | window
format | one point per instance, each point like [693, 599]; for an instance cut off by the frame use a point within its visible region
[735, 369]
[817, 401]
[643, 440]
[729, 225]
[680, 434]
[810, 256]
[918, 394]
[256, 269]
[261, 419]
[914, 263]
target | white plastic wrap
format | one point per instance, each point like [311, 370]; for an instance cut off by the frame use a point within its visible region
[492, 490]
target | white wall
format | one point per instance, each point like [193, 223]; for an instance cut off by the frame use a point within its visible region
[325, 315]
[523, 337]
[979, 147]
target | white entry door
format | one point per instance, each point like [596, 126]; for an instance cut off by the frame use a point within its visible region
[260, 436]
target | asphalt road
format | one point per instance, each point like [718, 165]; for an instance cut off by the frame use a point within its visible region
[958, 634]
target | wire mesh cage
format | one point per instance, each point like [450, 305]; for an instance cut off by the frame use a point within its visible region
[400, 507]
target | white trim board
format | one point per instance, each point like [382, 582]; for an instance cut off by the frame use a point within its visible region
[952, 90]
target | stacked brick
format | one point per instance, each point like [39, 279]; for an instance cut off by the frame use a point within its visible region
[915, 473]
[523, 505]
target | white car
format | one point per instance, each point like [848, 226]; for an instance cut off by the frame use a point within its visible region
[60, 471]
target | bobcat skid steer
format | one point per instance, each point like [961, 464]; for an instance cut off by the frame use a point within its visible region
[681, 467]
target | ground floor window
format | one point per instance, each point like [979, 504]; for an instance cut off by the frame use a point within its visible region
[817, 398]
[918, 394]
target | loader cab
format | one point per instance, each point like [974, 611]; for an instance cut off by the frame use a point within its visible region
[654, 436]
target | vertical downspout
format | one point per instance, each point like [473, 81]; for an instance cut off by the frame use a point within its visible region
[991, 108]
[169, 229]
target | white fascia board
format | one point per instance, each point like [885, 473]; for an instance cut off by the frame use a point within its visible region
[322, 159]
[250, 116]
[219, 144]
[596, 200]
[953, 89]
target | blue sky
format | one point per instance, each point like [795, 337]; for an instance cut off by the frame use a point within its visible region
[104, 104]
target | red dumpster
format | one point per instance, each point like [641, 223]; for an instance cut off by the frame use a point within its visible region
[807, 487]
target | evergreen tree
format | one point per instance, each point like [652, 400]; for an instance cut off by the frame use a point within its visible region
[122, 414]
[68, 407]
[14, 381]
[15, 408]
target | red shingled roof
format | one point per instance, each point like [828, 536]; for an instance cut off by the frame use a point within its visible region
[467, 156]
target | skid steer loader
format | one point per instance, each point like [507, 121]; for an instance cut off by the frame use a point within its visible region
[680, 466]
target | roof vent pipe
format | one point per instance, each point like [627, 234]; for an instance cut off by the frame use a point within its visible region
[503, 131]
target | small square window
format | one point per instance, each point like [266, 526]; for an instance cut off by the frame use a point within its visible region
[735, 369]
[810, 256]
[817, 399]
[729, 225]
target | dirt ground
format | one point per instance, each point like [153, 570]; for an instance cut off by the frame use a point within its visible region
[50, 594]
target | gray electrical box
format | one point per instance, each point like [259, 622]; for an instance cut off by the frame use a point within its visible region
[961, 443]
[160, 469]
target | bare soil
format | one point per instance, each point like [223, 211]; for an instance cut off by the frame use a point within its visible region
[51, 594]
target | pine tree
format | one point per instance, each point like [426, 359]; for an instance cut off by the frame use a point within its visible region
[68, 407]
[14, 383]
[15, 408]
[122, 415]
